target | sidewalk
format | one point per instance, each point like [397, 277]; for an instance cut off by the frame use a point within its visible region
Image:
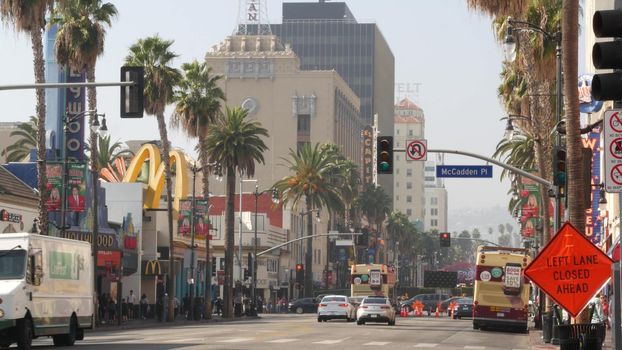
[179, 321]
[535, 341]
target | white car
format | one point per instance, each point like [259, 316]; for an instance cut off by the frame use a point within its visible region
[375, 309]
[335, 307]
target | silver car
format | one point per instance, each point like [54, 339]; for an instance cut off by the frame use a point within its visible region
[375, 309]
[335, 307]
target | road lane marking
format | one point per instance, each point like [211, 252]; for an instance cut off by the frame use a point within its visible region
[335, 341]
[235, 340]
[282, 340]
[474, 347]
[377, 343]
[425, 345]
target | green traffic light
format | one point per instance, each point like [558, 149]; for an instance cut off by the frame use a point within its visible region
[383, 166]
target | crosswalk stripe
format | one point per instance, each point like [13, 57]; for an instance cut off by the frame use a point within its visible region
[474, 347]
[282, 340]
[335, 341]
[377, 343]
[425, 345]
[234, 340]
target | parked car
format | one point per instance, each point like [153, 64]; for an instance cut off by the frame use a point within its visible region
[303, 305]
[335, 307]
[375, 309]
[429, 301]
[463, 308]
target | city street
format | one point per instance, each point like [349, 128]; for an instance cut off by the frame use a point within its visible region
[278, 331]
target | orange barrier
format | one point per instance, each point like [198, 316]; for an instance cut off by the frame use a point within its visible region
[438, 312]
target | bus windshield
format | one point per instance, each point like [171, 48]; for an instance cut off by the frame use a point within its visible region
[12, 264]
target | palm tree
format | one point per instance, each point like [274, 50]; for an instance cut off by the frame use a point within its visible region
[236, 144]
[375, 204]
[154, 54]
[570, 39]
[315, 178]
[198, 104]
[27, 140]
[108, 153]
[29, 16]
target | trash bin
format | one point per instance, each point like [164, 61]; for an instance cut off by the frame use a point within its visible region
[586, 336]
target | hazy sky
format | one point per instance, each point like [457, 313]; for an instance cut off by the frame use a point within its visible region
[441, 45]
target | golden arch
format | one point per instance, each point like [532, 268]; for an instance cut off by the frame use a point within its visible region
[156, 179]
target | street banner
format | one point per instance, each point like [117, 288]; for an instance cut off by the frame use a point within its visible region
[201, 219]
[184, 218]
[54, 185]
[530, 206]
[76, 187]
[75, 106]
[368, 154]
[593, 223]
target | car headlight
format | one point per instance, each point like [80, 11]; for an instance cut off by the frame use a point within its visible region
[1, 313]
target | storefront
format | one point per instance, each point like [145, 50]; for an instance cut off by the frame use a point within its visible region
[18, 204]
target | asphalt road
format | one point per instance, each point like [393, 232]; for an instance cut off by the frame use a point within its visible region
[301, 332]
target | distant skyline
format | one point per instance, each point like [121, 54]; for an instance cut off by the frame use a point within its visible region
[447, 61]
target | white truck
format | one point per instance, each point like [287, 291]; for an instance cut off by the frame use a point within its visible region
[46, 289]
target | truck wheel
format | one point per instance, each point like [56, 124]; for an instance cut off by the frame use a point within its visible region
[24, 334]
[67, 339]
[299, 310]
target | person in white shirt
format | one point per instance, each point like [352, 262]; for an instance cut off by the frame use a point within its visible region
[131, 300]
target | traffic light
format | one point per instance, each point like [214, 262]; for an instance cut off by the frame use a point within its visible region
[445, 239]
[559, 166]
[607, 55]
[132, 98]
[384, 154]
[300, 273]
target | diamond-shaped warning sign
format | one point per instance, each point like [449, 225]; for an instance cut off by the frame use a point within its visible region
[570, 269]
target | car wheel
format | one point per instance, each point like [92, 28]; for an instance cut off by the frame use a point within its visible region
[24, 336]
[319, 319]
[392, 323]
[360, 322]
[299, 310]
[67, 339]
[475, 325]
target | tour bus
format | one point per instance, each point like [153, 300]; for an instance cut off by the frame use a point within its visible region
[501, 294]
[371, 279]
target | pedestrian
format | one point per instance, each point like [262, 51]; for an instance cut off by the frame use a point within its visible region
[176, 304]
[144, 306]
[124, 310]
[103, 308]
[596, 309]
[218, 306]
[112, 309]
[165, 307]
[186, 306]
[237, 304]
[131, 300]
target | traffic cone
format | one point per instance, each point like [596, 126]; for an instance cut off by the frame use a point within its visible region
[437, 313]
[402, 312]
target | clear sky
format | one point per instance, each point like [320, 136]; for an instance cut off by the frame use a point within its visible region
[441, 45]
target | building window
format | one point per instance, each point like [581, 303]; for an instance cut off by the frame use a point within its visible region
[409, 212]
[409, 172]
[434, 201]
[434, 211]
[434, 223]
[410, 132]
[304, 123]
[409, 199]
[397, 157]
[409, 185]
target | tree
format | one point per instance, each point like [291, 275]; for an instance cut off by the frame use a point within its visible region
[501, 229]
[154, 54]
[475, 233]
[509, 228]
[237, 145]
[198, 105]
[490, 231]
[29, 16]
[27, 140]
[108, 153]
[315, 178]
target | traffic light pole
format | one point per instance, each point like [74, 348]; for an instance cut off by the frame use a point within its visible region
[308, 237]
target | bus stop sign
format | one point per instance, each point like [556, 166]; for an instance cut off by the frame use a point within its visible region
[570, 269]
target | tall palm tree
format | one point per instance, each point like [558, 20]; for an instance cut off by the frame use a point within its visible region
[236, 144]
[26, 134]
[316, 180]
[198, 104]
[154, 54]
[570, 39]
[29, 16]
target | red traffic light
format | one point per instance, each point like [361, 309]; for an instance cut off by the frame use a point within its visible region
[300, 267]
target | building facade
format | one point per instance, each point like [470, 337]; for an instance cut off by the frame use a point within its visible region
[327, 36]
[435, 218]
[409, 124]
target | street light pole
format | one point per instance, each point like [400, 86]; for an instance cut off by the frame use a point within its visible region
[192, 233]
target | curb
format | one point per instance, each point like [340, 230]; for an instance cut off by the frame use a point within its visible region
[176, 323]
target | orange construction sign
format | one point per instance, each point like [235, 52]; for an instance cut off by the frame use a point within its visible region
[570, 269]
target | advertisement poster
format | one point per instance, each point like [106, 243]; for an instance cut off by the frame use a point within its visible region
[54, 185]
[593, 221]
[201, 222]
[76, 187]
[530, 207]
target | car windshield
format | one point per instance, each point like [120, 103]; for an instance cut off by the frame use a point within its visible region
[465, 301]
[375, 301]
[12, 264]
[337, 299]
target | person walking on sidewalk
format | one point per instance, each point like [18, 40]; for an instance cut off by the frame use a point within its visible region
[131, 300]
[144, 306]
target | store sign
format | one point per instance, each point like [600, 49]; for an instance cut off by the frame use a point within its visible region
[368, 154]
[10, 217]
[75, 107]
[105, 241]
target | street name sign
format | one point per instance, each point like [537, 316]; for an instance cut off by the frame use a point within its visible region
[570, 269]
[464, 171]
[613, 150]
[416, 150]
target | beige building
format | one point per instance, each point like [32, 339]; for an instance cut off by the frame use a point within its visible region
[435, 218]
[408, 178]
[296, 106]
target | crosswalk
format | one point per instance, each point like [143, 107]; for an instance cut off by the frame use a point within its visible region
[329, 342]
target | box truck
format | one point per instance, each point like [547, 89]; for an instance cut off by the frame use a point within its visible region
[46, 289]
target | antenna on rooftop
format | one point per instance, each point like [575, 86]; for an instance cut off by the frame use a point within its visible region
[253, 18]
